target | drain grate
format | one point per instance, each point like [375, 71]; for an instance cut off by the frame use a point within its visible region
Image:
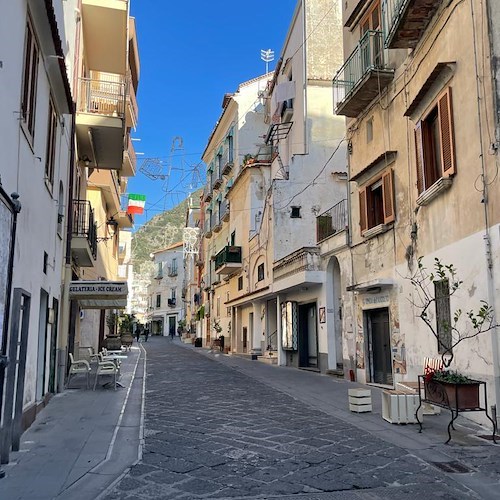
[452, 467]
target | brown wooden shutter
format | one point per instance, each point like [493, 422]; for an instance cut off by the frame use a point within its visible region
[446, 128]
[388, 195]
[363, 216]
[419, 150]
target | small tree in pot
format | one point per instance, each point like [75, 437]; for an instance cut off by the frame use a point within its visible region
[434, 289]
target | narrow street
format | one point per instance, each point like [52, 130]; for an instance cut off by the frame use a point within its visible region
[212, 431]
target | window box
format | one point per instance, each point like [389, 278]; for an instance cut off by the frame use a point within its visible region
[375, 231]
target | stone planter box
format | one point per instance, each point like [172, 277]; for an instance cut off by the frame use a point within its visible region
[456, 396]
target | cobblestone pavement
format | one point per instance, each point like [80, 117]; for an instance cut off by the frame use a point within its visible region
[213, 432]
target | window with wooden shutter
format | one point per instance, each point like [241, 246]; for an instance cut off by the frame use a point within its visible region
[30, 73]
[419, 149]
[447, 139]
[363, 217]
[434, 144]
[388, 190]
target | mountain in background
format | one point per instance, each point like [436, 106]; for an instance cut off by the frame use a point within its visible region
[159, 232]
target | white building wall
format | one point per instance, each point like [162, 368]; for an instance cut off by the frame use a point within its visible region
[22, 170]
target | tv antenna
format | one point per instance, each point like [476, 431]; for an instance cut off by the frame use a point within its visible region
[267, 56]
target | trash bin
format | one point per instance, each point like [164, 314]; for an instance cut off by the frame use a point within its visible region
[197, 342]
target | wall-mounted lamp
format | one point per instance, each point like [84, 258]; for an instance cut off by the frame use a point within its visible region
[86, 160]
[112, 224]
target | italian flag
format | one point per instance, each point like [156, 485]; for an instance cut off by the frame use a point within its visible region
[136, 203]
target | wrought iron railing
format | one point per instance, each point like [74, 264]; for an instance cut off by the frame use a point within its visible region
[84, 224]
[368, 55]
[332, 221]
[272, 341]
[224, 209]
[229, 254]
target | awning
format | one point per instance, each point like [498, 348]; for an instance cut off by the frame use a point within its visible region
[99, 294]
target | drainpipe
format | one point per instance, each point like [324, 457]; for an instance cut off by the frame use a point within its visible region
[487, 237]
[67, 272]
[304, 62]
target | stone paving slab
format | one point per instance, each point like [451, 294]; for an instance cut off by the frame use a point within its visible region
[214, 432]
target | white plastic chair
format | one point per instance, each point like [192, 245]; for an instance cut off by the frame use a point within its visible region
[80, 366]
[106, 368]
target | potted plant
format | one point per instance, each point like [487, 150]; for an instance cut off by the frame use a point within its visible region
[112, 340]
[444, 386]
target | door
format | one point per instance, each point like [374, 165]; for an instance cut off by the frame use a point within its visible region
[171, 325]
[379, 339]
[42, 344]
[53, 347]
[245, 339]
[308, 337]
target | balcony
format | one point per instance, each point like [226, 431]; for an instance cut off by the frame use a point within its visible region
[224, 210]
[228, 260]
[84, 234]
[104, 24]
[125, 220]
[331, 222]
[405, 21]
[172, 271]
[131, 110]
[107, 182]
[217, 181]
[207, 194]
[227, 162]
[217, 227]
[362, 76]
[129, 160]
[171, 302]
[208, 228]
[99, 121]
[300, 268]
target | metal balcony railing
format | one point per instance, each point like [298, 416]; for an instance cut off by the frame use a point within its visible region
[331, 222]
[172, 270]
[224, 210]
[368, 55]
[229, 254]
[171, 302]
[84, 224]
[102, 97]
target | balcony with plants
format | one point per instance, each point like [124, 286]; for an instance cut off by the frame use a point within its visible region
[362, 76]
[228, 260]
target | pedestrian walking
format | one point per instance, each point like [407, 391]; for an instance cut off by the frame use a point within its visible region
[138, 332]
[146, 334]
[172, 332]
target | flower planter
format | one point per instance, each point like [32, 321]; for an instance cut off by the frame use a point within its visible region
[113, 343]
[456, 396]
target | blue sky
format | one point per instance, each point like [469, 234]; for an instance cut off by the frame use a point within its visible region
[192, 53]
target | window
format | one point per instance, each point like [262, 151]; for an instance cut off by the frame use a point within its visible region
[158, 301]
[376, 202]
[217, 307]
[443, 315]
[51, 144]
[295, 214]
[371, 20]
[173, 293]
[29, 80]
[434, 144]
[260, 272]
[45, 262]
[233, 238]
[240, 283]
[159, 273]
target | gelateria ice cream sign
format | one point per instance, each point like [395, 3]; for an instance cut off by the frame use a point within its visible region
[99, 294]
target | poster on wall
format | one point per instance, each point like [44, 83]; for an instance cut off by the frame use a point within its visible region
[6, 221]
